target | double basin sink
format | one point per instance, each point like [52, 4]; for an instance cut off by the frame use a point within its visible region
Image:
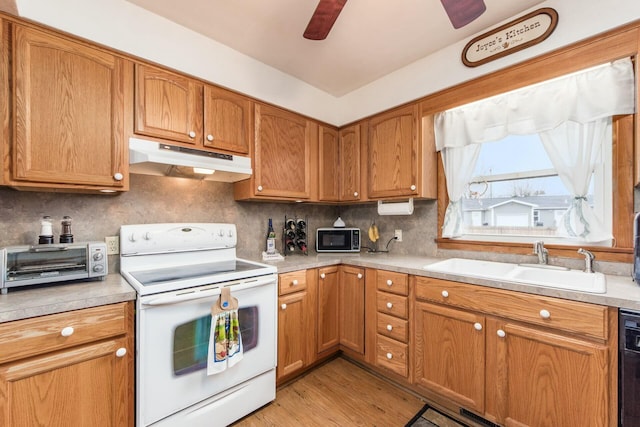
[529, 274]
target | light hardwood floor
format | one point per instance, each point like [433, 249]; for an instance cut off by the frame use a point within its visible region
[338, 393]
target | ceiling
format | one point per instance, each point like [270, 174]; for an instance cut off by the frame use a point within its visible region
[371, 38]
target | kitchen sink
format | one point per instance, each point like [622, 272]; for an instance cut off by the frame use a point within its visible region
[531, 274]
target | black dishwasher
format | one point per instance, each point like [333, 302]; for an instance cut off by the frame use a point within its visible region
[629, 361]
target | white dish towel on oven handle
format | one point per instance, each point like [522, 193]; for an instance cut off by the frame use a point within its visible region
[225, 340]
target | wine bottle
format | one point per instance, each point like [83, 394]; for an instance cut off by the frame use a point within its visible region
[302, 245]
[271, 238]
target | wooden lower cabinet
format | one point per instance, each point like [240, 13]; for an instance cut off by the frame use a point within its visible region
[297, 318]
[85, 378]
[351, 295]
[489, 352]
[328, 310]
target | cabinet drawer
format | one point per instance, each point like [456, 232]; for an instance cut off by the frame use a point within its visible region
[39, 335]
[293, 282]
[395, 328]
[571, 316]
[390, 281]
[392, 355]
[396, 305]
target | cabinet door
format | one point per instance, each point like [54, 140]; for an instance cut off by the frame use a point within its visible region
[449, 353]
[544, 379]
[282, 154]
[351, 286]
[328, 309]
[329, 164]
[69, 112]
[350, 164]
[168, 105]
[293, 327]
[227, 120]
[85, 385]
[393, 153]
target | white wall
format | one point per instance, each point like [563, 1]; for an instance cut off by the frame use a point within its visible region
[126, 27]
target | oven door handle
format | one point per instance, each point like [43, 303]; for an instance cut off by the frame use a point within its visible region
[178, 298]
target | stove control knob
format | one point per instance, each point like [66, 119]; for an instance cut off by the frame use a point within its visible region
[147, 235]
[133, 237]
[221, 232]
[230, 233]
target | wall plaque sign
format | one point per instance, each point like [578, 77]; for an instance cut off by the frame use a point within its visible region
[519, 34]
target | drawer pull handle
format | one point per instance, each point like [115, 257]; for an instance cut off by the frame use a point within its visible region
[389, 282]
[389, 328]
[359, 275]
[389, 305]
[67, 332]
[283, 306]
[545, 314]
[477, 326]
[322, 275]
[295, 282]
[445, 294]
[501, 333]
[389, 356]
[121, 352]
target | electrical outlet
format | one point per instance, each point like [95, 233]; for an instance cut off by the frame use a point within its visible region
[113, 245]
[398, 235]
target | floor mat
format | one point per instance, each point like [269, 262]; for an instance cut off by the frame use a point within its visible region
[430, 417]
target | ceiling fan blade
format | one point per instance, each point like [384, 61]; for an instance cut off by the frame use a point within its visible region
[323, 19]
[462, 12]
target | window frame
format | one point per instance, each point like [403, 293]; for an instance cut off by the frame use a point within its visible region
[616, 44]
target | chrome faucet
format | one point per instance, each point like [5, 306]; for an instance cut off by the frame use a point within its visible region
[588, 260]
[541, 251]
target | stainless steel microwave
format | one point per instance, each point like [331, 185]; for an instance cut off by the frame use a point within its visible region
[43, 264]
[338, 240]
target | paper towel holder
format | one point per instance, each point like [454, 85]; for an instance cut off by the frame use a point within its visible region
[395, 208]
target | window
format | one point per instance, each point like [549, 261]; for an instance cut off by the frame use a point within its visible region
[515, 192]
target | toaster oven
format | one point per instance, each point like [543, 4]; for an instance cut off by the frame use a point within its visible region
[42, 264]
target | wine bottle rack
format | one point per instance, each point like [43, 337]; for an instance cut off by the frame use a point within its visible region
[295, 236]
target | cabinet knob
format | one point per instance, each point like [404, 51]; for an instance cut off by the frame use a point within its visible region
[355, 194]
[389, 282]
[192, 134]
[389, 327]
[259, 187]
[118, 176]
[477, 326]
[283, 306]
[413, 188]
[501, 333]
[121, 352]
[545, 314]
[445, 294]
[322, 275]
[209, 137]
[389, 356]
[389, 305]
[359, 275]
[67, 332]
[295, 282]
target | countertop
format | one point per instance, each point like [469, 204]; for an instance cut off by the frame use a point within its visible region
[21, 303]
[32, 301]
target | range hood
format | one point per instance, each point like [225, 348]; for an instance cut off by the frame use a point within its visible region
[154, 158]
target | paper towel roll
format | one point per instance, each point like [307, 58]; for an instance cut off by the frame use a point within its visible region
[395, 208]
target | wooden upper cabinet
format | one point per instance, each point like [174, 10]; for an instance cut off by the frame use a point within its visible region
[285, 157]
[168, 105]
[401, 158]
[227, 120]
[329, 164]
[339, 164]
[178, 108]
[69, 123]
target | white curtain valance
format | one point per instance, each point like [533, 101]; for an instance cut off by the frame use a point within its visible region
[581, 97]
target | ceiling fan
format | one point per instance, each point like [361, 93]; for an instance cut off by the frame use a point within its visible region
[460, 12]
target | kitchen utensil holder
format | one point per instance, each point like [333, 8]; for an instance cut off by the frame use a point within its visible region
[300, 239]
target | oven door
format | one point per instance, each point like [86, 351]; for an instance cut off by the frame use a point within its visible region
[173, 338]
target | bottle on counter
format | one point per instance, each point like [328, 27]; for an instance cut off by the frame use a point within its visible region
[46, 231]
[271, 238]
